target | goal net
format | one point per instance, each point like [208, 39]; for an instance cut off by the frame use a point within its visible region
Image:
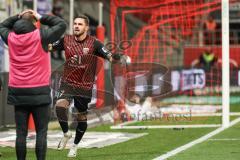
[184, 36]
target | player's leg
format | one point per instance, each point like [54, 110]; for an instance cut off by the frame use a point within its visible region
[62, 106]
[21, 119]
[81, 104]
[41, 119]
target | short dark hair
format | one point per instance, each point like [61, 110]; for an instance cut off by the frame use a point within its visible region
[29, 16]
[86, 19]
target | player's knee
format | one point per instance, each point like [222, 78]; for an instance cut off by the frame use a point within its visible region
[62, 103]
[82, 117]
[61, 111]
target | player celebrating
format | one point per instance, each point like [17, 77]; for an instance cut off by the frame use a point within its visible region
[76, 45]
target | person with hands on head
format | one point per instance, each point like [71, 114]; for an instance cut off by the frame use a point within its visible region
[29, 74]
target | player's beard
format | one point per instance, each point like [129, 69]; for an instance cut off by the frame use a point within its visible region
[78, 33]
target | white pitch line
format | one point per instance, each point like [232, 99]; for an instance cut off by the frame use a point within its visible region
[225, 139]
[9, 138]
[167, 126]
[197, 141]
[123, 125]
[126, 123]
[214, 114]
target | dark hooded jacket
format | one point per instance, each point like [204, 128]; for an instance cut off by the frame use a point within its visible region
[56, 27]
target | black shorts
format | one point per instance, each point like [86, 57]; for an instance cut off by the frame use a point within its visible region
[81, 97]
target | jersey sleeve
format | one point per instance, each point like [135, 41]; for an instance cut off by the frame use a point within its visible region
[101, 50]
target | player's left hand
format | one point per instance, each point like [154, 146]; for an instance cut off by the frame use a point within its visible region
[121, 58]
[110, 59]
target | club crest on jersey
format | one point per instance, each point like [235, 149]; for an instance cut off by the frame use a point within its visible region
[85, 50]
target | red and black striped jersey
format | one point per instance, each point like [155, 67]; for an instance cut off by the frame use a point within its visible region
[82, 73]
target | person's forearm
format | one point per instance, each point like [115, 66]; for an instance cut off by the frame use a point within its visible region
[6, 27]
[9, 22]
[51, 20]
[56, 28]
[105, 53]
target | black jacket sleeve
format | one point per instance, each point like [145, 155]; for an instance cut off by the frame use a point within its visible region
[101, 50]
[6, 27]
[56, 29]
[58, 45]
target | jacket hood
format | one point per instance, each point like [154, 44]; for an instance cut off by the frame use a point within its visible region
[23, 26]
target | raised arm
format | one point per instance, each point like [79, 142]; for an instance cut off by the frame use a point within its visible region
[6, 27]
[56, 29]
[102, 51]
